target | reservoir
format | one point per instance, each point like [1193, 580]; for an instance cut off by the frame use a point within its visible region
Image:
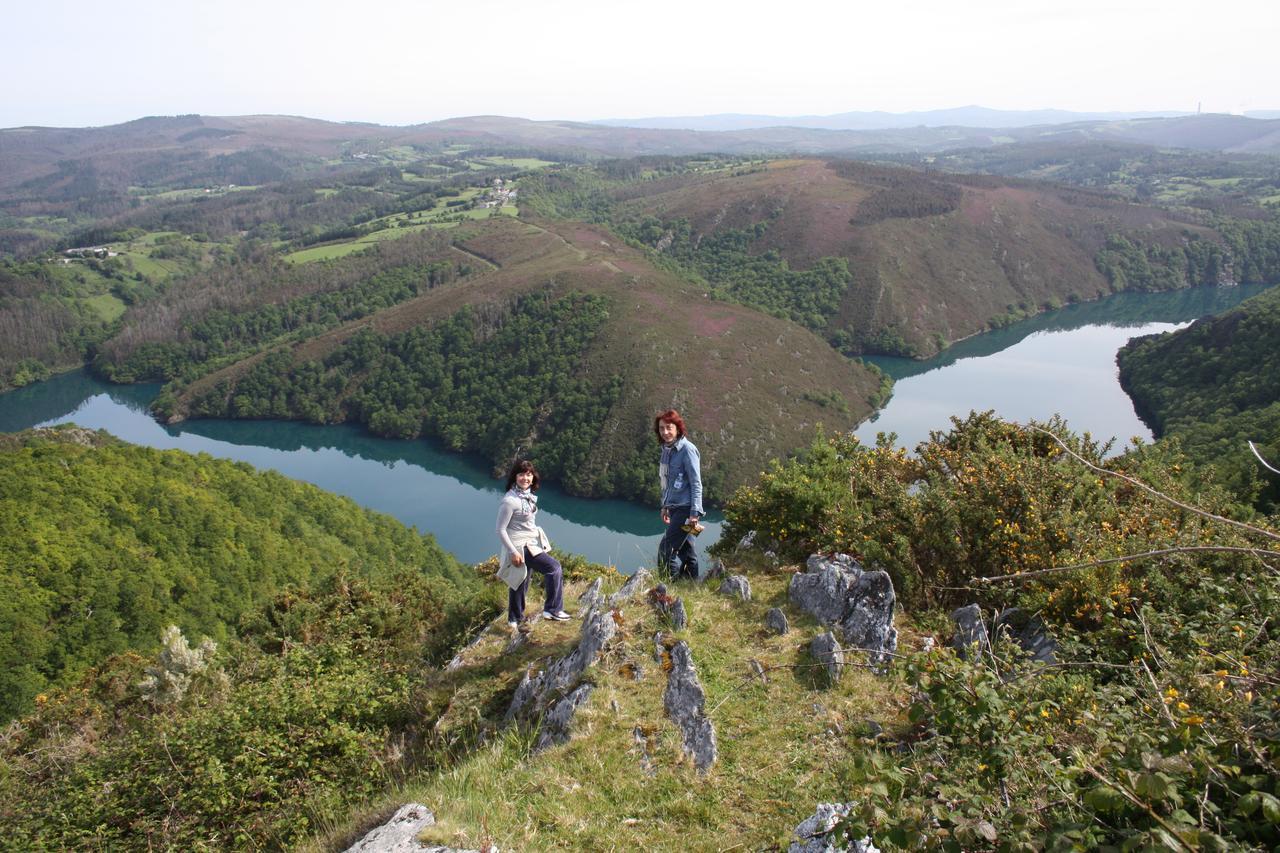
[1061, 362]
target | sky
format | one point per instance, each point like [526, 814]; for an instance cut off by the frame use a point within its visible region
[73, 63]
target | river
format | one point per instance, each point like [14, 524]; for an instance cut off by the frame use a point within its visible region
[1061, 362]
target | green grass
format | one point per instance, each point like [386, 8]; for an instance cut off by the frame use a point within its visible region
[784, 744]
[105, 305]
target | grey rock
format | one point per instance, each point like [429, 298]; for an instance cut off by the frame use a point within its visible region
[825, 650]
[1028, 632]
[813, 834]
[400, 834]
[817, 562]
[557, 722]
[771, 557]
[640, 580]
[659, 646]
[458, 659]
[776, 621]
[824, 591]
[679, 618]
[758, 670]
[715, 569]
[591, 598]
[536, 692]
[646, 750]
[684, 700]
[927, 643]
[971, 638]
[747, 541]
[736, 585]
[868, 622]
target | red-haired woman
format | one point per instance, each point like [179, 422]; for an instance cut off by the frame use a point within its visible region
[525, 546]
[680, 476]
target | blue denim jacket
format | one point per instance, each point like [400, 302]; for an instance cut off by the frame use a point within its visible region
[684, 478]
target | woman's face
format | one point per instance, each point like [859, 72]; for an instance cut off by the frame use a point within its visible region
[667, 431]
[524, 480]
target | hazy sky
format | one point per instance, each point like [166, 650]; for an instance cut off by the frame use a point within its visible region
[77, 63]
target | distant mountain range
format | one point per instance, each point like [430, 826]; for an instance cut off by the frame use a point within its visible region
[970, 116]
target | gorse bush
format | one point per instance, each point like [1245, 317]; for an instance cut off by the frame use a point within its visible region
[313, 711]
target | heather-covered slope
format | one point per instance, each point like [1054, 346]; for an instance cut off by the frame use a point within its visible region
[564, 348]
[931, 258]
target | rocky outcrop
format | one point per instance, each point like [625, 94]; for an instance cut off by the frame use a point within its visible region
[776, 621]
[868, 621]
[591, 598]
[640, 580]
[822, 589]
[737, 586]
[813, 834]
[556, 723]
[836, 591]
[684, 701]
[669, 607]
[400, 834]
[970, 639]
[825, 650]
[1028, 632]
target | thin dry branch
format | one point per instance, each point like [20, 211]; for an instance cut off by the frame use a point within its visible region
[1249, 528]
[1264, 462]
[1162, 552]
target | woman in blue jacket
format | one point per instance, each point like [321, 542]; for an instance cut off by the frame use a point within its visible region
[680, 475]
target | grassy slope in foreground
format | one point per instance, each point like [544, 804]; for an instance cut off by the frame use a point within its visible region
[751, 386]
[104, 544]
[1216, 386]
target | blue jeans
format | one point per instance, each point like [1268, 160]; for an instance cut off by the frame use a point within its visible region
[552, 578]
[677, 544]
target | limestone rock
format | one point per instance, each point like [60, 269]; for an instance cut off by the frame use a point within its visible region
[868, 622]
[748, 541]
[715, 569]
[971, 638]
[812, 835]
[592, 598]
[1028, 632]
[825, 650]
[736, 585]
[557, 722]
[640, 580]
[822, 590]
[679, 618]
[400, 834]
[776, 621]
[536, 692]
[669, 607]
[684, 700]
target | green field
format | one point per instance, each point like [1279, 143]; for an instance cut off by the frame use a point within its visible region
[106, 306]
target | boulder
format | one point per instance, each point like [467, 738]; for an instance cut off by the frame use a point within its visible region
[1028, 632]
[400, 834]
[971, 638]
[868, 622]
[679, 618]
[823, 589]
[736, 585]
[715, 569]
[557, 722]
[684, 700]
[825, 650]
[813, 834]
[776, 621]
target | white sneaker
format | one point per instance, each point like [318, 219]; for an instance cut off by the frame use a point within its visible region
[559, 616]
[513, 625]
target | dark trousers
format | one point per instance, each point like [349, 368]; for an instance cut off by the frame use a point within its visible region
[552, 578]
[677, 544]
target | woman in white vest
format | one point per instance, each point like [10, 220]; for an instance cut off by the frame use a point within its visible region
[525, 546]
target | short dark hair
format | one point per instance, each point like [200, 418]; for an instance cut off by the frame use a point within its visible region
[520, 467]
[670, 416]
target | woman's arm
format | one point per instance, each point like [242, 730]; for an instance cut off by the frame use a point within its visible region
[505, 511]
[693, 468]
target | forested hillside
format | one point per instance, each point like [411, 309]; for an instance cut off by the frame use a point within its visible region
[104, 544]
[1216, 386]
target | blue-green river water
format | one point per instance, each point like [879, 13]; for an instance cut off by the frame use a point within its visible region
[1061, 362]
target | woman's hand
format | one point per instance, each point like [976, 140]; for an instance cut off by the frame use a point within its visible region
[666, 516]
[517, 559]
